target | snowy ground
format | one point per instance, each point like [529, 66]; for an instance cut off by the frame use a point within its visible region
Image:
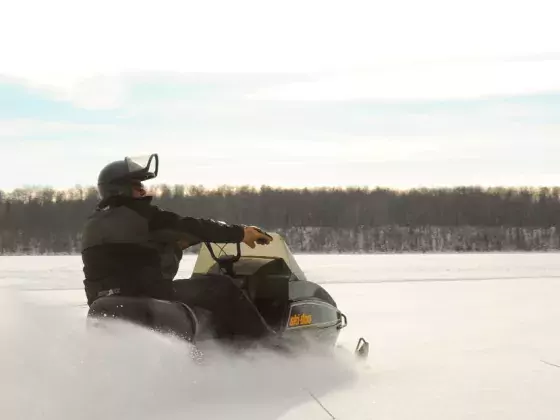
[466, 336]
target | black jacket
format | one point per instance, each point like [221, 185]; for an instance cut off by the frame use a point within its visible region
[132, 245]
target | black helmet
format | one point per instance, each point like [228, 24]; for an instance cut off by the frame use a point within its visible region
[118, 178]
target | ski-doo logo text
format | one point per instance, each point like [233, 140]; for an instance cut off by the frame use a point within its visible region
[301, 319]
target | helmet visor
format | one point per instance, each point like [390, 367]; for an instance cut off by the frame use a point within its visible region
[143, 167]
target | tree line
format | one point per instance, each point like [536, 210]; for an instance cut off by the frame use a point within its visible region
[43, 220]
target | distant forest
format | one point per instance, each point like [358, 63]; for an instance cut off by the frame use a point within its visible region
[324, 220]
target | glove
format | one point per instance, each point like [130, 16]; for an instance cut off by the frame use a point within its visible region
[254, 235]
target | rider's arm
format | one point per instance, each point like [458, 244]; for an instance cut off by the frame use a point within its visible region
[203, 229]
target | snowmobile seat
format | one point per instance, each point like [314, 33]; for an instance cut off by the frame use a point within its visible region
[166, 317]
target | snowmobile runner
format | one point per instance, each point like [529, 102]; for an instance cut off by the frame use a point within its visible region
[297, 311]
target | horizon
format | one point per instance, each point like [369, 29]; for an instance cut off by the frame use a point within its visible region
[235, 98]
[156, 189]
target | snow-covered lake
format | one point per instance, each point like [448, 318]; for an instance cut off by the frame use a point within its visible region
[453, 336]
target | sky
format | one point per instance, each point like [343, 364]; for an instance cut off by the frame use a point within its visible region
[398, 94]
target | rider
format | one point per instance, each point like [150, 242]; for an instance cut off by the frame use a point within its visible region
[133, 248]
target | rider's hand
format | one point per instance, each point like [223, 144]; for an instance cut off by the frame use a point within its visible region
[252, 235]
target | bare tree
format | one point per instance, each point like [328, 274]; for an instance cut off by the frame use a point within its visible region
[353, 219]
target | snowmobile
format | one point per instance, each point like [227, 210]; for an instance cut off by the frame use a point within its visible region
[299, 312]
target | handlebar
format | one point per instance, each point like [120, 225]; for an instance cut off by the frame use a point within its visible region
[226, 261]
[232, 258]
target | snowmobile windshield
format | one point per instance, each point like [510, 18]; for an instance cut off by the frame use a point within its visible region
[143, 167]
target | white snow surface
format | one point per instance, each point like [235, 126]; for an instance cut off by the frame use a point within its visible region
[453, 336]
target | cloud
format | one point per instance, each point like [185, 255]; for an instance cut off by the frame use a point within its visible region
[208, 131]
[86, 91]
[31, 128]
[256, 36]
[423, 82]
[143, 91]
